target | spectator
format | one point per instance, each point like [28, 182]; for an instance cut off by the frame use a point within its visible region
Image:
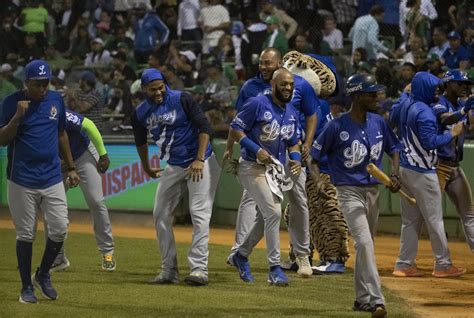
[199, 95]
[30, 50]
[119, 37]
[414, 45]
[18, 70]
[188, 25]
[276, 37]
[11, 39]
[241, 44]
[173, 80]
[6, 87]
[154, 60]
[385, 76]
[420, 60]
[216, 84]
[456, 56]
[120, 103]
[7, 73]
[98, 57]
[358, 56]
[365, 33]
[416, 23]
[150, 33]
[301, 44]
[86, 99]
[426, 8]
[286, 23]
[102, 32]
[125, 48]
[332, 35]
[58, 82]
[167, 10]
[64, 17]
[34, 19]
[435, 66]
[345, 12]
[256, 32]
[440, 41]
[214, 21]
[55, 60]
[126, 73]
[407, 73]
[80, 44]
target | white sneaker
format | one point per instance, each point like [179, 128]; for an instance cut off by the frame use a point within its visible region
[304, 267]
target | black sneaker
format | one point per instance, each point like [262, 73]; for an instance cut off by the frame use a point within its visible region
[379, 311]
[362, 307]
[27, 296]
[43, 283]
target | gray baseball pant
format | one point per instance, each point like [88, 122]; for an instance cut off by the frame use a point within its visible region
[425, 188]
[173, 183]
[252, 177]
[453, 181]
[298, 223]
[360, 208]
[25, 204]
[91, 187]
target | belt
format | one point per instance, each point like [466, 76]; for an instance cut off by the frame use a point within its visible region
[449, 163]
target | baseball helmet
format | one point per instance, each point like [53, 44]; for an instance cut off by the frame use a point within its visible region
[456, 75]
[360, 83]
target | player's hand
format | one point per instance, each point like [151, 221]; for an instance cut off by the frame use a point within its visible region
[72, 179]
[153, 172]
[320, 190]
[295, 167]
[305, 152]
[396, 184]
[195, 170]
[263, 157]
[227, 156]
[21, 108]
[457, 129]
[103, 163]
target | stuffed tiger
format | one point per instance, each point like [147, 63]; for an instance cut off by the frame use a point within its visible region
[327, 226]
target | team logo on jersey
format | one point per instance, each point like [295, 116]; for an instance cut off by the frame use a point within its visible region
[163, 119]
[344, 135]
[272, 130]
[267, 115]
[53, 113]
[355, 154]
[41, 70]
[379, 135]
[72, 118]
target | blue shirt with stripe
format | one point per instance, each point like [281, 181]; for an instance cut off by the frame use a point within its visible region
[171, 129]
[268, 125]
[78, 139]
[33, 155]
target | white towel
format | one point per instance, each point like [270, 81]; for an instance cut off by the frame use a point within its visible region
[277, 179]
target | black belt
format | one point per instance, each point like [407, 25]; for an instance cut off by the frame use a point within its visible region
[449, 163]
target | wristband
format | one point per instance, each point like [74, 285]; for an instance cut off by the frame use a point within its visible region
[295, 155]
[71, 169]
[249, 145]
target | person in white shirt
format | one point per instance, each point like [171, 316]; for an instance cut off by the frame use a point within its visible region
[214, 20]
[286, 23]
[331, 34]
[426, 8]
[440, 41]
[188, 25]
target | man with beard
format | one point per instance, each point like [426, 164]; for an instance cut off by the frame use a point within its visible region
[351, 142]
[305, 103]
[450, 110]
[266, 127]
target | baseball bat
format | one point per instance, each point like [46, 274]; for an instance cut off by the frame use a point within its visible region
[382, 177]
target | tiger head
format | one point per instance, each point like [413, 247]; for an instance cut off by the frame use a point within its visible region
[321, 76]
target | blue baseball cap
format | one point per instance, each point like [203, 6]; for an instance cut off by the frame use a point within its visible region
[360, 83]
[37, 70]
[151, 74]
[89, 77]
[454, 35]
[456, 75]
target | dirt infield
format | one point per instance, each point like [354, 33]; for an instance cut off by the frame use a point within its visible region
[428, 296]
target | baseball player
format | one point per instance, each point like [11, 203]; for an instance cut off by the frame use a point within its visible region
[32, 124]
[181, 131]
[90, 160]
[266, 127]
[305, 102]
[418, 130]
[351, 142]
[449, 110]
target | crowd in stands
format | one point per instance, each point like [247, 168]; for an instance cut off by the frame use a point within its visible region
[98, 48]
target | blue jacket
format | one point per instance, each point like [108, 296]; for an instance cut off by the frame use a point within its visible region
[150, 30]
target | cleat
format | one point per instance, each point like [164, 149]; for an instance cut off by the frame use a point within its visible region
[27, 296]
[43, 283]
[379, 311]
[108, 262]
[327, 267]
[197, 278]
[362, 307]
[304, 267]
[230, 261]
[451, 271]
[242, 264]
[161, 279]
[61, 266]
[412, 271]
[277, 277]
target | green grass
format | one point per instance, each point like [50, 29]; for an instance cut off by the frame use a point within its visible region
[86, 291]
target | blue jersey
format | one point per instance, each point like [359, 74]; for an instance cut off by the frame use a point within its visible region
[418, 127]
[452, 58]
[78, 139]
[324, 117]
[304, 99]
[268, 125]
[452, 151]
[33, 155]
[171, 129]
[351, 146]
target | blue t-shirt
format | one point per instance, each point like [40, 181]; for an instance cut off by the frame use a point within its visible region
[351, 146]
[268, 125]
[452, 151]
[78, 140]
[452, 58]
[33, 155]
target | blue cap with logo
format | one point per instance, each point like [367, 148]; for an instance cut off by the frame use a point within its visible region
[151, 74]
[454, 35]
[456, 75]
[360, 83]
[37, 70]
